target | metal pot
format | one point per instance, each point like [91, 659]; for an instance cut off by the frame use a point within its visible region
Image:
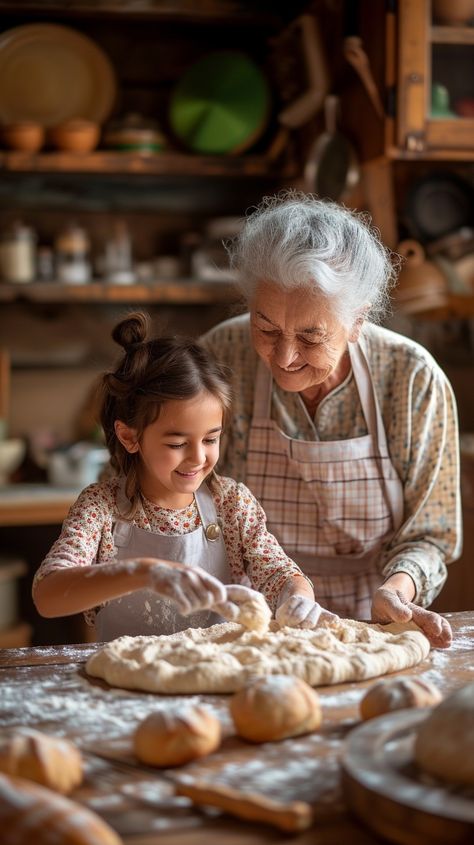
[332, 169]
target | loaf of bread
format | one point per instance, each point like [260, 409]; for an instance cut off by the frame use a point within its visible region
[398, 694]
[174, 737]
[275, 707]
[48, 760]
[33, 815]
[444, 745]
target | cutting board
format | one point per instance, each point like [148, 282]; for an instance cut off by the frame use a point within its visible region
[385, 788]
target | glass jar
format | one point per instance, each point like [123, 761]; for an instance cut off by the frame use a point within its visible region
[72, 248]
[18, 254]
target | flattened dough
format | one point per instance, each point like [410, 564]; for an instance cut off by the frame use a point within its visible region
[222, 659]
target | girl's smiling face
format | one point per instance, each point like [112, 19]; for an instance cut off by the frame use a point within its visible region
[178, 450]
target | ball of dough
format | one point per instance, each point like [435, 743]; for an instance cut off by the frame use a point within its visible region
[397, 694]
[48, 760]
[444, 745]
[255, 614]
[275, 707]
[174, 737]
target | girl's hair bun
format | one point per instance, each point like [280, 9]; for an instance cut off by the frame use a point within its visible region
[132, 330]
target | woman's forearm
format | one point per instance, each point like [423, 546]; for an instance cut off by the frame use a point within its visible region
[64, 592]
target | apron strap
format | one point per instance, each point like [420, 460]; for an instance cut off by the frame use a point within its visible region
[262, 396]
[205, 506]
[368, 397]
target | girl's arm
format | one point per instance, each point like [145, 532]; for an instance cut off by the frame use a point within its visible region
[64, 592]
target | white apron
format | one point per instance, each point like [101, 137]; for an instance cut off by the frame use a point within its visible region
[331, 504]
[142, 612]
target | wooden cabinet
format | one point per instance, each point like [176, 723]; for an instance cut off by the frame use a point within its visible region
[160, 196]
[434, 82]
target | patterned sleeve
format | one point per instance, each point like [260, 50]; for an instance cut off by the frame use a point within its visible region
[430, 536]
[251, 549]
[82, 531]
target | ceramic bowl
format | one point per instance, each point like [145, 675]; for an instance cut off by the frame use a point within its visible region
[75, 136]
[26, 137]
[12, 451]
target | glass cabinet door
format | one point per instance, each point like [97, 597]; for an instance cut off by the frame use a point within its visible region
[435, 92]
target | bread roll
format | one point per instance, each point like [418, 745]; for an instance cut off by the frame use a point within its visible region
[33, 815]
[275, 707]
[444, 745]
[48, 760]
[397, 694]
[171, 738]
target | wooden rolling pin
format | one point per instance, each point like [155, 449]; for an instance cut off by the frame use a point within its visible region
[297, 815]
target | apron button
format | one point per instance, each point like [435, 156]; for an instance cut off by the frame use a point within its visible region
[213, 532]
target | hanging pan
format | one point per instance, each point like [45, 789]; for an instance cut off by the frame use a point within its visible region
[332, 169]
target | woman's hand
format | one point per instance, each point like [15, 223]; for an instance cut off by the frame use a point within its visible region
[392, 605]
[297, 608]
[189, 588]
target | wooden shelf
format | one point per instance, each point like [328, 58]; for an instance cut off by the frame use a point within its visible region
[160, 164]
[35, 504]
[444, 154]
[177, 292]
[452, 35]
[220, 11]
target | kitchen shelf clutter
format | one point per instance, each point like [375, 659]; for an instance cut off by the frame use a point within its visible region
[164, 164]
[180, 291]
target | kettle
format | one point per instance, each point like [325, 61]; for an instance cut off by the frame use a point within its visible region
[421, 286]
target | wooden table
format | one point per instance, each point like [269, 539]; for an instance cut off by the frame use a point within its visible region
[46, 687]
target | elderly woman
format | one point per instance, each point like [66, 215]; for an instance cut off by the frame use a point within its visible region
[345, 431]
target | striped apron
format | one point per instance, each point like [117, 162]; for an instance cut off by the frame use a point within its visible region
[331, 504]
[142, 612]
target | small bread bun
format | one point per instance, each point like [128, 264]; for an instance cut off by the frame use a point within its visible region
[444, 745]
[48, 760]
[171, 738]
[33, 815]
[275, 707]
[398, 694]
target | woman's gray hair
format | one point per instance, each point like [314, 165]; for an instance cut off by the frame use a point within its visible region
[297, 240]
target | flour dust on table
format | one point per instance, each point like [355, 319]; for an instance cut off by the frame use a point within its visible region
[223, 658]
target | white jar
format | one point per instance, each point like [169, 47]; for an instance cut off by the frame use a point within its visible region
[18, 254]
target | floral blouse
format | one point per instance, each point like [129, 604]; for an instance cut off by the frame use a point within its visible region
[252, 552]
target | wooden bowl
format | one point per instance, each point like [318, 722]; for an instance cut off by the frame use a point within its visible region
[26, 137]
[75, 136]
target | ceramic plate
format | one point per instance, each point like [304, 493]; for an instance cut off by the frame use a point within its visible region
[51, 73]
[221, 105]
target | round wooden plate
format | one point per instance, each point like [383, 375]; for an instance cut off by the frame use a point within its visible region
[385, 788]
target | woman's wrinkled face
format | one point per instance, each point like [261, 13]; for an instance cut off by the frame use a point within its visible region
[296, 336]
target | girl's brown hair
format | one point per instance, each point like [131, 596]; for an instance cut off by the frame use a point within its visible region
[152, 371]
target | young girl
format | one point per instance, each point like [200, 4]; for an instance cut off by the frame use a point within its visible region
[149, 550]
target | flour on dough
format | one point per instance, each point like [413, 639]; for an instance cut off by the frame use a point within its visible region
[221, 659]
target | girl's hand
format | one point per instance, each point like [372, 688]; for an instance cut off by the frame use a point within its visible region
[391, 605]
[297, 608]
[238, 595]
[189, 588]
[302, 612]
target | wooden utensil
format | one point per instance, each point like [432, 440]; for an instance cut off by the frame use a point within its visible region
[294, 816]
